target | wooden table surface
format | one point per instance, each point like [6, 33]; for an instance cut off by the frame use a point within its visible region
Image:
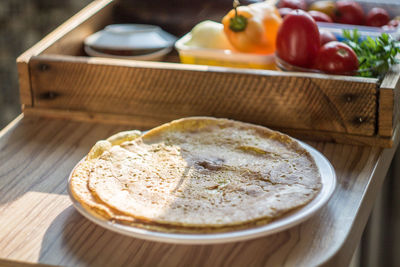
[39, 225]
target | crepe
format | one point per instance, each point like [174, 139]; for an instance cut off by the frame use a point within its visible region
[196, 174]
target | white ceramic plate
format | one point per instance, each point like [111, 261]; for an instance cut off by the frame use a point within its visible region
[328, 179]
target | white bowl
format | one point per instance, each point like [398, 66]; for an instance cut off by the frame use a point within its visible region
[131, 37]
[158, 55]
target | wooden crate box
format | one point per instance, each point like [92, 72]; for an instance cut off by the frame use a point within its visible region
[58, 80]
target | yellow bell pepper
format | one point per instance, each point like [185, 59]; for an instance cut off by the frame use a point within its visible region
[252, 28]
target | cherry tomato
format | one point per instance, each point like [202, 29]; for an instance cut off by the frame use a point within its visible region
[319, 16]
[377, 17]
[349, 12]
[284, 11]
[293, 4]
[336, 58]
[327, 7]
[298, 39]
[326, 37]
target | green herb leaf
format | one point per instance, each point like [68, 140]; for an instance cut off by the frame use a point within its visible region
[375, 56]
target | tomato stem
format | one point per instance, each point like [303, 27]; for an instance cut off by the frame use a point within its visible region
[238, 23]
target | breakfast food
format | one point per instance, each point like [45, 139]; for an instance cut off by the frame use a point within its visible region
[196, 174]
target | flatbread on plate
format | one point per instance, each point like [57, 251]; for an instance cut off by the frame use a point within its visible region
[196, 174]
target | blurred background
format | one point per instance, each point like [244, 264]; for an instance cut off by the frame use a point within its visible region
[22, 24]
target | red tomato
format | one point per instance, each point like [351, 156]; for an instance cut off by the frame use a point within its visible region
[349, 12]
[377, 17]
[319, 16]
[326, 37]
[293, 4]
[336, 58]
[297, 41]
[284, 11]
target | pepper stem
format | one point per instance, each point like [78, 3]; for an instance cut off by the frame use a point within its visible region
[238, 23]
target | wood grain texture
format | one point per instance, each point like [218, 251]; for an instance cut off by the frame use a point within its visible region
[39, 224]
[143, 123]
[389, 102]
[24, 81]
[385, 124]
[321, 136]
[167, 91]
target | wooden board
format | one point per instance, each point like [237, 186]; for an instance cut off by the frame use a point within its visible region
[389, 95]
[166, 91]
[144, 123]
[40, 226]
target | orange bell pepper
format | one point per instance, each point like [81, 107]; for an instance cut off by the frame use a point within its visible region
[252, 28]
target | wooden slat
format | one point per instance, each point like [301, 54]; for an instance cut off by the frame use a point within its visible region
[141, 122]
[11, 125]
[389, 98]
[24, 79]
[386, 107]
[40, 226]
[145, 123]
[340, 138]
[167, 91]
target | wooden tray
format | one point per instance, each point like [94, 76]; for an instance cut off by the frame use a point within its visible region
[41, 228]
[58, 80]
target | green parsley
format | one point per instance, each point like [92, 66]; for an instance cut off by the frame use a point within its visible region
[375, 56]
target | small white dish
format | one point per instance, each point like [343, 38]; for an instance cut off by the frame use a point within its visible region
[130, 37]
[158, 55]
